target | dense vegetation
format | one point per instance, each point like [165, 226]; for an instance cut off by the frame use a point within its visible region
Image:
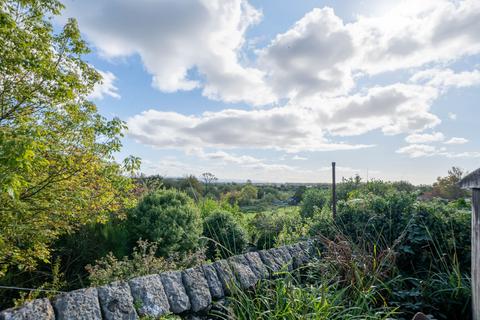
[72, 217]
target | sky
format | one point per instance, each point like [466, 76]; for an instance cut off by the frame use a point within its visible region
[275, 90]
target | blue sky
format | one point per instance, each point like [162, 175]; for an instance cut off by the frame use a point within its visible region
[275, 90]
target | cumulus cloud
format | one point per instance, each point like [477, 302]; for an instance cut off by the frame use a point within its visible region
[176, 38]
[393, 109]
[414, 33]
[424, 138]
[312, 68]
[423, 150]
[321, 52]
[298, 126]
[418, 150]
[310, 58]
[456, 140]
[200, 44]
[446, 78]
[106, 87]
[284, 128]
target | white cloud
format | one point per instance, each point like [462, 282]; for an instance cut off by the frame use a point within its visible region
[321, 52]
[423, 150]
[106, 87]
[426, 137]
[393, 109]
[310, 58]
[318, 55]
[286, 128]
[452, 116]
[297, 157]
[456, 140]
[415, 33]
[446, 78]
[312, 68]
[176, 38]
[418, 150]
[299, 126]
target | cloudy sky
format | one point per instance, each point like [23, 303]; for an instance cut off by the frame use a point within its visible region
[275, 90]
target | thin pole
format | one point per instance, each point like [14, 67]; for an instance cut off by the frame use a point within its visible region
[334, 192]
[476, 253]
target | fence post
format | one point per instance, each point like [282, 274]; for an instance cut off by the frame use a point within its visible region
[472, 181]
[334, 192]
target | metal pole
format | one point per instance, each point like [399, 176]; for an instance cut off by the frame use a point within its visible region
[334, 192]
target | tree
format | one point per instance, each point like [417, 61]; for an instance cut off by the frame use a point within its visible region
[298, 196]
[447, 187]
[226, 236]
[191, 186]
[168, 217]
[313, 200]
[247, 194]
[208, 179]
[56, 152]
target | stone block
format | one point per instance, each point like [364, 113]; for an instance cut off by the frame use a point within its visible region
[39, 309]
[116, 301]
[197, 289]
[175, 291]
[80, 304]
[149, 296]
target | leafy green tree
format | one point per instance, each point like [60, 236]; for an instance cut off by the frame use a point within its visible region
[225, 235]
[248, 194]
[56, 152]
[192, 186]
[313, 200]
[298, 196]
[169, 218]
[447, 187]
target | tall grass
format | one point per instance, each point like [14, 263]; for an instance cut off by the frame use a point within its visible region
[316, 298]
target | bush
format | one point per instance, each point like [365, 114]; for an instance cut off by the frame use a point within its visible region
[313, 200]
[225, 235]
[143, 262]
[430, 242]
[169, 218]
[274, 228]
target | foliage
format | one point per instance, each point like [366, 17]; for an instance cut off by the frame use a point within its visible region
[88, 244]
[224, 235]
[48, 289]
[313, 200]
[430, 243]
[447, 187]
[208, 179]
[321, 297]
[298, 195]
[56, 152]
[169, 218]
[143, 262]
[247, 195]
[274, 228]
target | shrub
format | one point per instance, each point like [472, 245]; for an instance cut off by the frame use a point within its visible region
[169, 218]
[313, 200]
[225, 235]
[273, 228]
[143, 262]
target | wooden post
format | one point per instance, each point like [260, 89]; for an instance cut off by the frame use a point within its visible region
[476, 253]
[334, 192]
[472, 181]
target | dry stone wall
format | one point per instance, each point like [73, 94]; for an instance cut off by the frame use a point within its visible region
[188, 293]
